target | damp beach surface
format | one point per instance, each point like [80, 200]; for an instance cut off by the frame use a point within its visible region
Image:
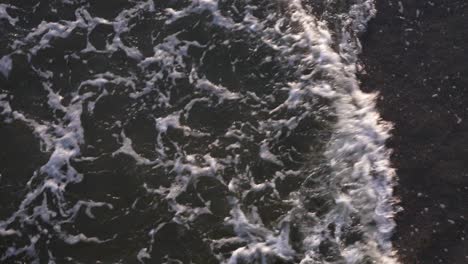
[415, 56]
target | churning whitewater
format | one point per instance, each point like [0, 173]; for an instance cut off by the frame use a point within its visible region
[204, 131]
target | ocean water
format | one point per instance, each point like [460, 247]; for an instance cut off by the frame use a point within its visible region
[203, 131]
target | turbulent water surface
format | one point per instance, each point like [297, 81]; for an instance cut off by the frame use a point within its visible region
[202, 131]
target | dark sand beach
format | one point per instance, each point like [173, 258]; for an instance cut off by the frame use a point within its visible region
[416, 57]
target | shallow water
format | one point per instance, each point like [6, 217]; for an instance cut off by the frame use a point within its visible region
[190, 132]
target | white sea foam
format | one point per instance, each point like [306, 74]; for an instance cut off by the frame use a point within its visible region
[321, 66]
[4, 14]
[5, 65]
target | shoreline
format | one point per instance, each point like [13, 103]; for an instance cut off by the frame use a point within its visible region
[415, 57]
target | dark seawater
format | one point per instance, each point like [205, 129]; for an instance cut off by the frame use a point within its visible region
[189, 132]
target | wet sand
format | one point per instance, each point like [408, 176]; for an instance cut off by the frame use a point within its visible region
[415, 55]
